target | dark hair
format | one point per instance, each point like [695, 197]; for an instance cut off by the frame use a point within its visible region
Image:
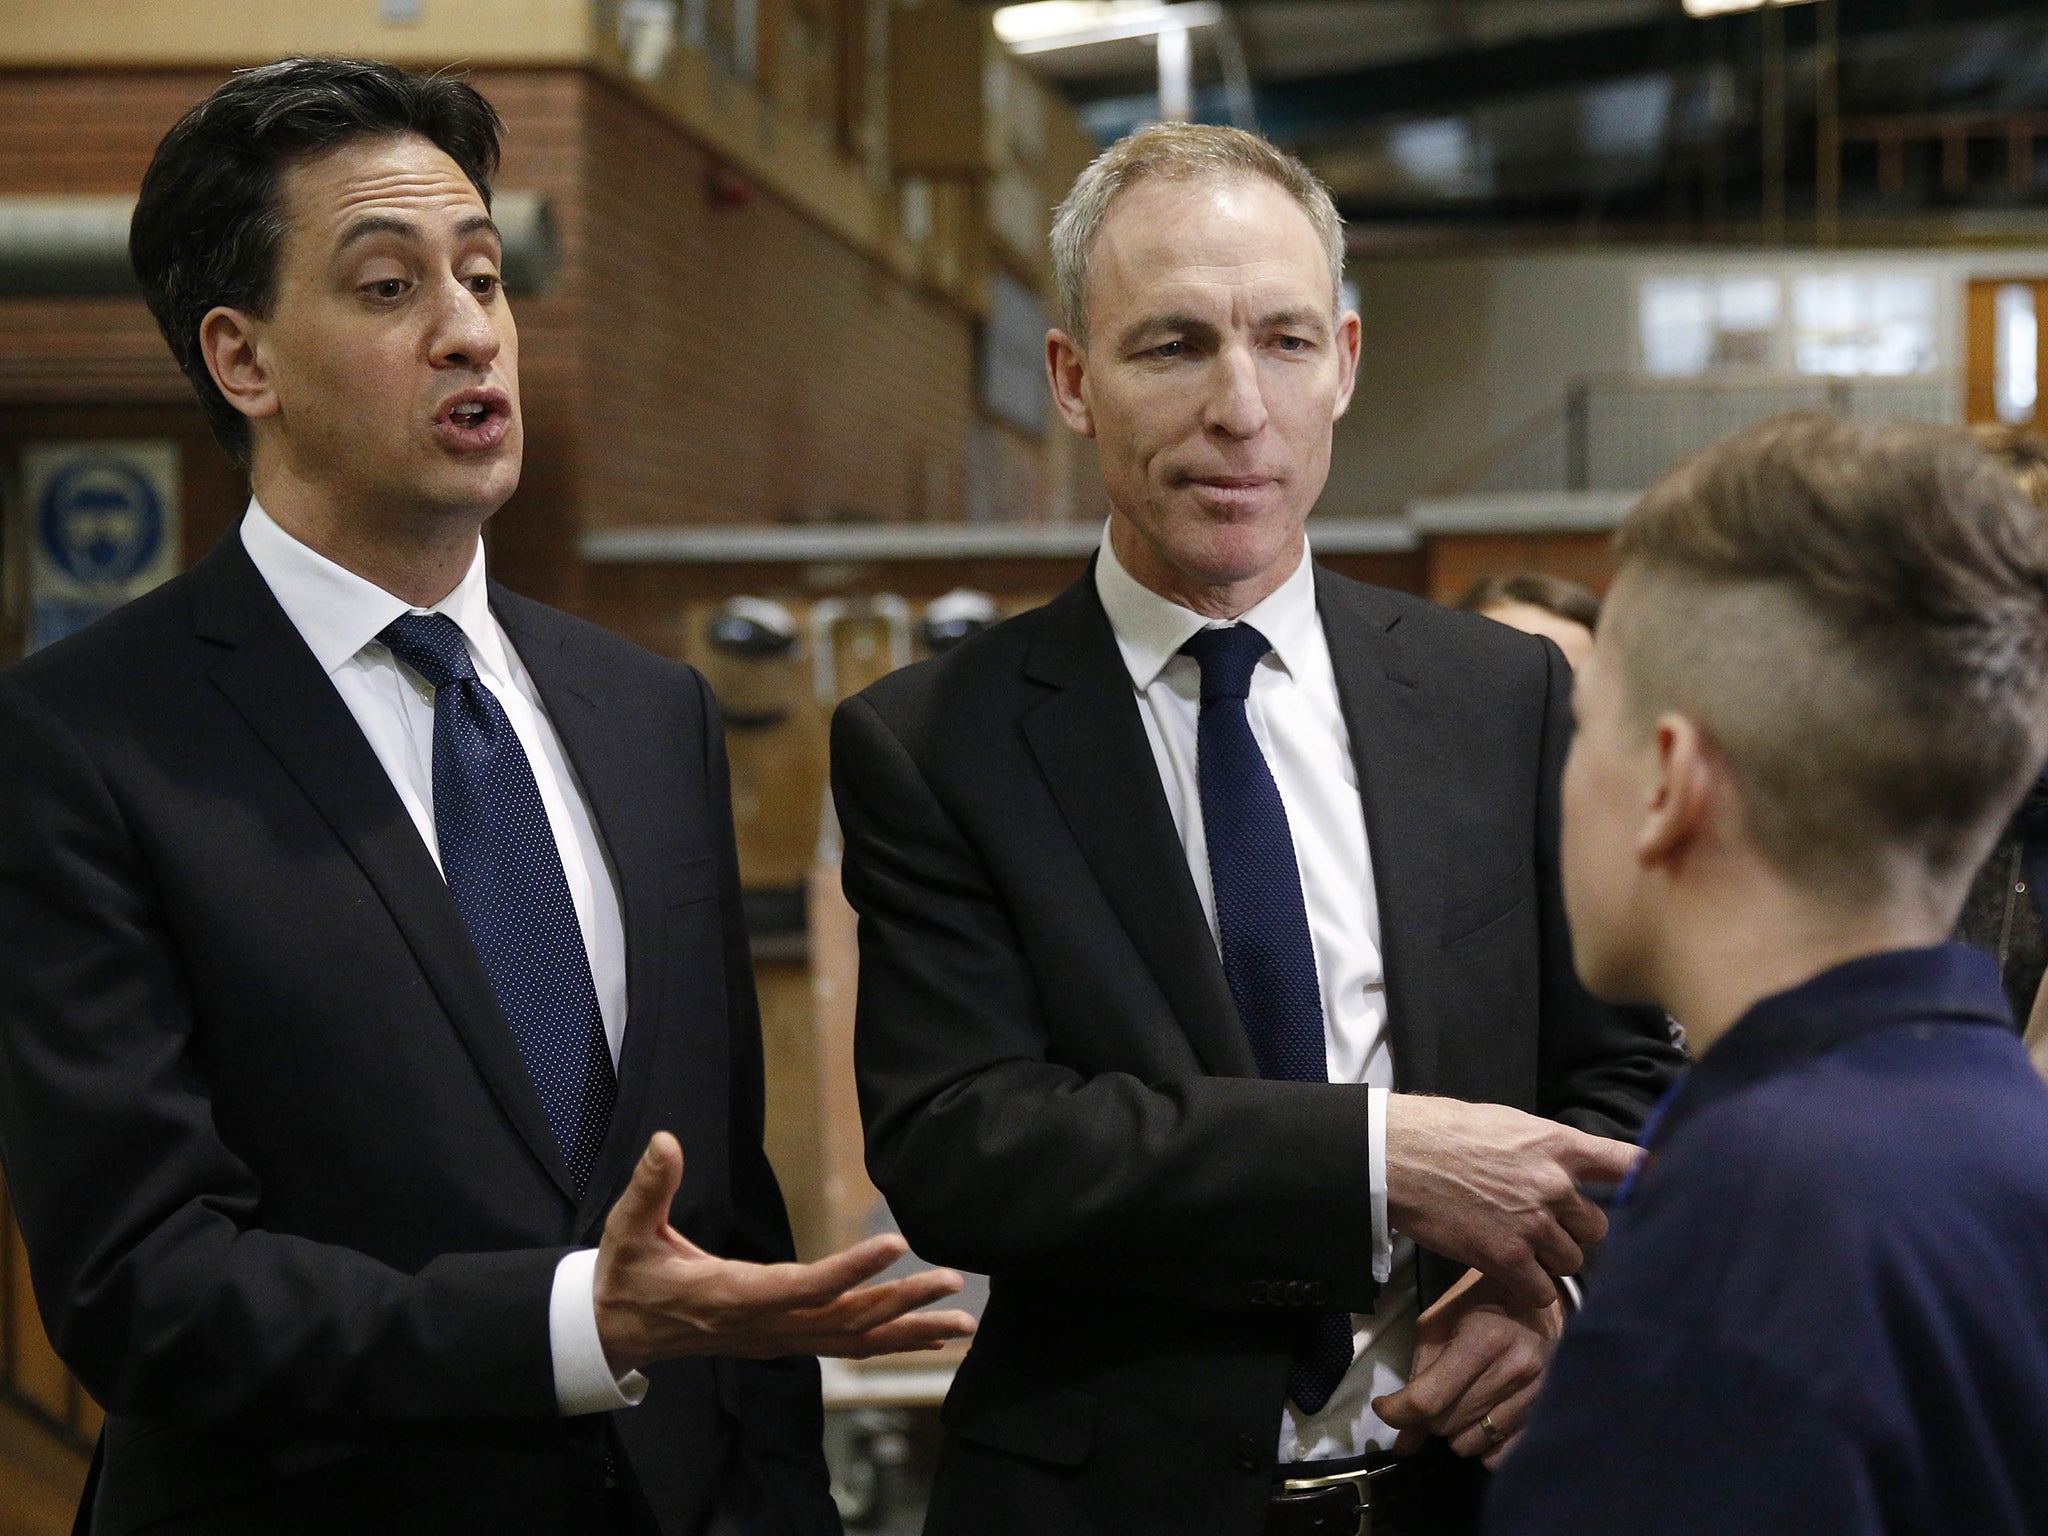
[208, 222]
[1553, 594]
[1859, 615]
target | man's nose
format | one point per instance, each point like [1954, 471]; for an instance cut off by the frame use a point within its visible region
[1237, 403]
[465, 332]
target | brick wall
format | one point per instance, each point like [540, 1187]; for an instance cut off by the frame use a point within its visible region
[746, 366]
[95, 130]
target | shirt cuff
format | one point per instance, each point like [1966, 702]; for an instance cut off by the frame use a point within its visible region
[1382, 1232]
[584, 1382]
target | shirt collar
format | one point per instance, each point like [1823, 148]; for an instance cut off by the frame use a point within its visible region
[1946, 984]
[339, 612]
[1150, 629]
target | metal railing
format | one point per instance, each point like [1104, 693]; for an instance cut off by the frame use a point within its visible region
[1621, 433]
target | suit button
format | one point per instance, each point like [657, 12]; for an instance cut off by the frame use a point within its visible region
[1296, 1293]
[1261, 1293]
[1244, 1450]
[1318, 1293]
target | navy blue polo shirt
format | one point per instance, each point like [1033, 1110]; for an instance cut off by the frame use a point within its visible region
[1824, 1302]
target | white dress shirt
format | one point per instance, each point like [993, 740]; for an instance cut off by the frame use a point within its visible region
[1299, 724]
[339, 615]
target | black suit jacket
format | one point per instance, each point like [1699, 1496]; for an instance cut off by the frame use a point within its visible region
[291, 1202]
[1055, 1083]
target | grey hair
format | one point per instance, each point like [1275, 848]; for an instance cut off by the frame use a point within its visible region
[1179, 152]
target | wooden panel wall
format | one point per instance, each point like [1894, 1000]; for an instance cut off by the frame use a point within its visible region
[1457, 560]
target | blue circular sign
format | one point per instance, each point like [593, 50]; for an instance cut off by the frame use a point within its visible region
[100, 521]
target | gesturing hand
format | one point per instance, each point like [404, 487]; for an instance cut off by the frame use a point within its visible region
[660, 1296]
[1495, 1188]
[1479, 1360]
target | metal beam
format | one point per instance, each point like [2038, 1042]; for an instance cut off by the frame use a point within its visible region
[1324, 106]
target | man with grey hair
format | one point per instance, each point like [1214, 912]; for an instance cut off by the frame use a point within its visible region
[1165, 888]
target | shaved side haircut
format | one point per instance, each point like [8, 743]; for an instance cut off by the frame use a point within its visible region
[1857, 616]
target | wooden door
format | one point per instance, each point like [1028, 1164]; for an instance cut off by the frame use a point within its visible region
[1984, 354]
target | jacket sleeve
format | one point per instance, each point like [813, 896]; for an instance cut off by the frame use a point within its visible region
[157, 1281]
[1216, 1191]
[1600, 1067]
[776, 1406]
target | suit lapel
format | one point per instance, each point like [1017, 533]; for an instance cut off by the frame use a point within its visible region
[1386, 713]
[272, 679]
[1091, 746]
[597, 737]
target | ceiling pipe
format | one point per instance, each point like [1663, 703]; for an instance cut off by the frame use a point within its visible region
[76, 247]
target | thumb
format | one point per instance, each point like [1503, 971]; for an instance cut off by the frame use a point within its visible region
[1598, 1159]
[1397, 1410]
[642, 1210]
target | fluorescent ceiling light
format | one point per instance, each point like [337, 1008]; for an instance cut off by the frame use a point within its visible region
[1724, 7]
[1046, 25]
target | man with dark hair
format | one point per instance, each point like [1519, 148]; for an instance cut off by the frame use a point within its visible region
[368, 933]
[1819, 689]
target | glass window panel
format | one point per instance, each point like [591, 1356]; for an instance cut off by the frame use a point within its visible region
[2018, 353]
[1748, 304]
[1678, 328]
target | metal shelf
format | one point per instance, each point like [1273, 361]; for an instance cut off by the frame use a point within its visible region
[712, 545]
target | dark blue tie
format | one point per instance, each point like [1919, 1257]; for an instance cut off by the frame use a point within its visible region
[1263, 922]
[502, 866]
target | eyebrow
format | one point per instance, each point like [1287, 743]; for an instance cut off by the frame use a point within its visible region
[1300, 318]
[385, 224]
[1191, 324]
[1296, 319]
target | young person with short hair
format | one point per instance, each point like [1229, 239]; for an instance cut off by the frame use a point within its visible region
[1820, 687]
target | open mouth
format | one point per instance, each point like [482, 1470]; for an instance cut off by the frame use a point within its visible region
[474, 419]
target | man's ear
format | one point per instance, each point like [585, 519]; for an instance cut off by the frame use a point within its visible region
[1681, 806]
[231, 341]
[1066, 370]
[1348, 339]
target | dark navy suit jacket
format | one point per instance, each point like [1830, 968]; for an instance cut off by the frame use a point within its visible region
[1824, 1305]
[291, 1203]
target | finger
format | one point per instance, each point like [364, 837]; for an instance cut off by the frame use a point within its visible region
[793, 1287]
[1556, 1254]
[920, 1330]
[1409, 1441]
[1596, 1159]
[1508, 1416]
[1515, 1364]
[1440, 1387]
[642, 1211]
[1524, 1282]
[1584, 1220]
[873, 1305]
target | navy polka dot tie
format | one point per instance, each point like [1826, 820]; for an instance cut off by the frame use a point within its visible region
[1263, 922]
[502, 866]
